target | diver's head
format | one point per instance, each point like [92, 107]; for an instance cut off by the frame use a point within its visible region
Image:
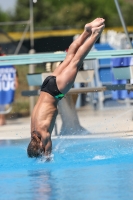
[35, 147]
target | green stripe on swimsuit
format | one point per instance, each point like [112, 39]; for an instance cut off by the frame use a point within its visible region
[59, 96]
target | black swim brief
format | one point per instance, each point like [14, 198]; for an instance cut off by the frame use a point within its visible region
[49, 85]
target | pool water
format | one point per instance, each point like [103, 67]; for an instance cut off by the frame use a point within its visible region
[81, 169]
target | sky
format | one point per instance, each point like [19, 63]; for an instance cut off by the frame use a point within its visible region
[7, 4]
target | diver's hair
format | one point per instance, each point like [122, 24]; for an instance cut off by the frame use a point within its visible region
[34, 149]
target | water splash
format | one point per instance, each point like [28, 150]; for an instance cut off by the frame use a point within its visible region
[100, 157]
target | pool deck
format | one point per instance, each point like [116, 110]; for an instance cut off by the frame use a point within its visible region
[109, 122]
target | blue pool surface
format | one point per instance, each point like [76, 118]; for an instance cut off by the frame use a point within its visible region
[81, 169]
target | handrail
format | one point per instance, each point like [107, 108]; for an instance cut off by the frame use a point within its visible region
[54, 57]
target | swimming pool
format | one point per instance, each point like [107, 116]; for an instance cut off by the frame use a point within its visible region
[88, 169]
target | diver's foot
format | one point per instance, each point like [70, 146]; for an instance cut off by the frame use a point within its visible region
[96, 31]
[95, 23]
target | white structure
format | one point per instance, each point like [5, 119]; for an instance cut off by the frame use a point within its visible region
[115, 39]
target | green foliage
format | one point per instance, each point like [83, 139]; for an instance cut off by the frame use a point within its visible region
[21, 11]
[127, 10]
[43, 13]
[71, 13]
[4, 17]
[68, 16]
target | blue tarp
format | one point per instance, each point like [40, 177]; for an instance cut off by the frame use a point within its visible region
[106, 74]
[101, 47]
[121, 62]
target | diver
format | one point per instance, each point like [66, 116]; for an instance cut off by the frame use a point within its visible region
[56, 86]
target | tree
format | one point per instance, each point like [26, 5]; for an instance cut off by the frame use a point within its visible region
[21, 11]
[127, 10]
[4, 17]
[72, 13]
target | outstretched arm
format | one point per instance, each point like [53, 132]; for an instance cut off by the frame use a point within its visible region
[47, 144]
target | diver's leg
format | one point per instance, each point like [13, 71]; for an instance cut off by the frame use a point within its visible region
[86, 47]
[77, 44]
[66, 79]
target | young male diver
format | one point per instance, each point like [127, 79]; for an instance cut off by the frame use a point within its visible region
[56, 86]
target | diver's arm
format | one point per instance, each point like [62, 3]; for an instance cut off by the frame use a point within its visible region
[47, 144]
